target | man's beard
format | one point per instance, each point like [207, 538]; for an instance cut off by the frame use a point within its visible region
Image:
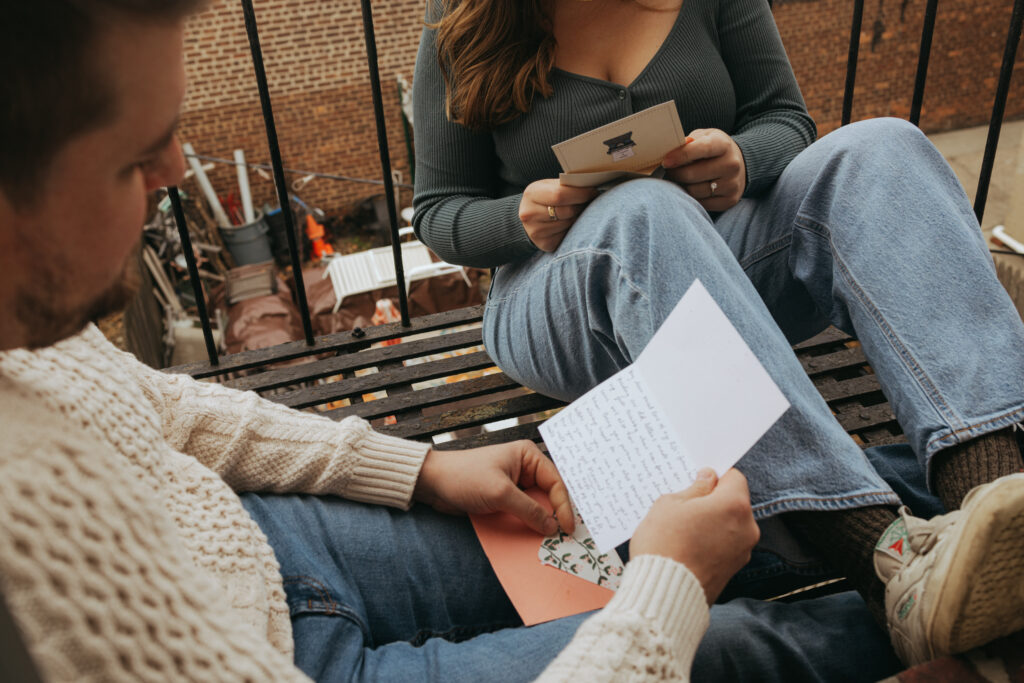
[45, 319]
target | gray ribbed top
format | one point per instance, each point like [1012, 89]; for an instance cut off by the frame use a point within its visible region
[724, 65]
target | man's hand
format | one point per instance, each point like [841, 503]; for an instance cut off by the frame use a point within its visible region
[491, 479]
[709, 157]
[548, 209]
[710, 528]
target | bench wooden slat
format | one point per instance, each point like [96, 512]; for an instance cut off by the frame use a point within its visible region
[863, 417]
[830, 337]
[427, 398]
[352, 386]
[523, 431]
[830, 362]
[833, 390]
[281, 377]
[344, 342]
[471, 417]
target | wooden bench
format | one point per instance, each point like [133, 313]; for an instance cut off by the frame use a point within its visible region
[428, 393]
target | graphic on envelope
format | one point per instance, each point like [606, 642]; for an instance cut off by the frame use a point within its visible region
[621, 146]
[577, 554]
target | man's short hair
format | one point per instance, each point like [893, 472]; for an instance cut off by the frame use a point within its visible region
[51, 88]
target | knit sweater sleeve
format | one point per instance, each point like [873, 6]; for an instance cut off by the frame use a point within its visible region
[256, 445]
[772, 123]
[458, 212]
[649, 631]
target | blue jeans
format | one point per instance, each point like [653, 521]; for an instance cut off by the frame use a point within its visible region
[382, 595]
[868, 230]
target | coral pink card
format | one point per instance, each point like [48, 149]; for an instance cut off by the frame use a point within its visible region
[539, 592]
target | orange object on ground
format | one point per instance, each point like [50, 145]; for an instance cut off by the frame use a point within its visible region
[315, 233]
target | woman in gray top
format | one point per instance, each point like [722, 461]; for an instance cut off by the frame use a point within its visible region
[866, 229]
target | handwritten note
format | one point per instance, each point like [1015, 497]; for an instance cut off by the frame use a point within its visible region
[696, 397]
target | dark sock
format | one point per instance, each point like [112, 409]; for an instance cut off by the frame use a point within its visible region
[846, 539]
[958, 469]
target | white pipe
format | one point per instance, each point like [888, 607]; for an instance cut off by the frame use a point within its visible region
[206, 187]
[999, 232]
[206, 167]
[243, 186]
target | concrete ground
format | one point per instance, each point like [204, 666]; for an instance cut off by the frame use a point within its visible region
[964, 149]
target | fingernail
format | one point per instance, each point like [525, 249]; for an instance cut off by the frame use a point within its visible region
[706, 473]
[689, 139]
[550, 526]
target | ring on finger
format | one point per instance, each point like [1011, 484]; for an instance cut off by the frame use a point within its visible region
[714, 186]
[552, 215]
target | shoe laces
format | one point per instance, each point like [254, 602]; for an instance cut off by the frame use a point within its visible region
[923, 534]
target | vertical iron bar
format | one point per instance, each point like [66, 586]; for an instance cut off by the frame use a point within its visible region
[923, 56]
[278, 166]
[998, 108]
[385, 158]
[851, 59]
[193, 271]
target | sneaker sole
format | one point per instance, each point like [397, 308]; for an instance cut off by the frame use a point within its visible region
[983, 594]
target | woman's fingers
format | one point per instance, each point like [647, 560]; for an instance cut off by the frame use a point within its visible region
[710, 168]
[548, 209]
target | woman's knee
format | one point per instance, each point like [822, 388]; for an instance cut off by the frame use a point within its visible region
[880, 146]
[645, 215]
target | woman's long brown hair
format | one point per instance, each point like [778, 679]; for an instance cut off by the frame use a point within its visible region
[495, 56]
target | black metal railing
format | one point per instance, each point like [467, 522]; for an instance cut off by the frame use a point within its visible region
[995, 125]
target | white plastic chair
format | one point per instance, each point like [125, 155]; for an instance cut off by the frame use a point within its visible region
[373, 269]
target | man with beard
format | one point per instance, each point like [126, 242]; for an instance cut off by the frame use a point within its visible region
[150, 526]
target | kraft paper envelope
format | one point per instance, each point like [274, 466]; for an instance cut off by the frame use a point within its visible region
[630, 147]
[539, 592]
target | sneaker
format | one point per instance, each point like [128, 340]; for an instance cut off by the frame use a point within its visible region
[956, 581]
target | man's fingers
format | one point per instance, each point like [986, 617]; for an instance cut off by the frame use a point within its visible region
[540, 471]
[733, 483]
[532, 513]
[705, 484]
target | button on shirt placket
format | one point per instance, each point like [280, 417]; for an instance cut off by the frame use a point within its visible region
[626, 99]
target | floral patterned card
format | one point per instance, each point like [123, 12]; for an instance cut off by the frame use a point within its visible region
[577, 554]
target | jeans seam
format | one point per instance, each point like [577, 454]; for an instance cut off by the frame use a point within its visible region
[924, 382]
[333, 607]
[576, 252]
[783, 506]
[457, 634]
[766, 250]
[956, 432]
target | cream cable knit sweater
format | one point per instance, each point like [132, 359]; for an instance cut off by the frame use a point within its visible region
[126, 555]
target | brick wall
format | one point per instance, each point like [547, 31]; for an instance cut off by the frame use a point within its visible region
[316, 66]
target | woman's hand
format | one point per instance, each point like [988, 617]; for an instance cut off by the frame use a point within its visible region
[548, 209]
[710, 167]
[491, 479]
[709, 528]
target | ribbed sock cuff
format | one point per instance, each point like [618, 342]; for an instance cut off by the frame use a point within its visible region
[960, 468]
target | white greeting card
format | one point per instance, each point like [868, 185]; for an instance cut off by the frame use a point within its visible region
[696, 397]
